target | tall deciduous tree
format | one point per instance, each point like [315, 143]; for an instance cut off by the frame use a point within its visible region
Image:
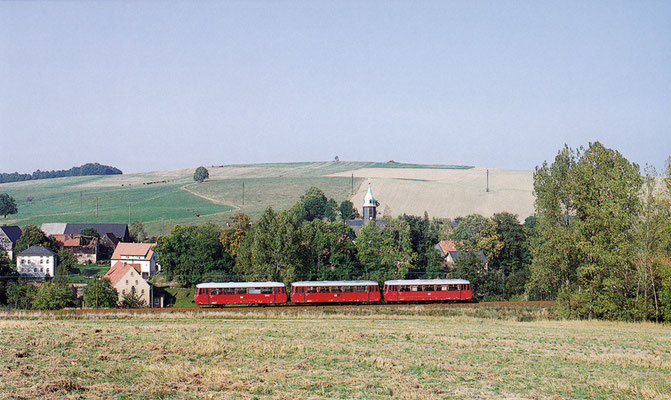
[385, 253]
[328, 250]
[232, 239]
[7, 205]
[99, 293]
[587, 203]
[423, 238]
[272, 249]
[200, 174]
[53, 296]
[512, 262]
[347, 210]
[33, 236]
[190, 253]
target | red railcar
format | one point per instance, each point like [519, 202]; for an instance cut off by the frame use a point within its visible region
[335, 291]
[428, 290]
[215, 294]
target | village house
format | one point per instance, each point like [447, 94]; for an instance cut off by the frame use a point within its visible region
[450, 254]
[127, 278]
[36, 262]
[137, 253]
[109, 234]
[8, 237]
[85, 248]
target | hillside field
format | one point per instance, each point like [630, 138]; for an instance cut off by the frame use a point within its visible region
[164, 198]
[312, 354]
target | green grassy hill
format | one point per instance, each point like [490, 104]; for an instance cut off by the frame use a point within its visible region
[164, 198]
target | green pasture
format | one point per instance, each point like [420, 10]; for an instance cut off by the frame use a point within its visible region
[160, 206]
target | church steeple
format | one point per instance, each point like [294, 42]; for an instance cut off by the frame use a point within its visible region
[369, 205]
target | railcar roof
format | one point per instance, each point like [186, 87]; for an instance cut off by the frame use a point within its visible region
[428, 282]
[210, 285]
[335, 283]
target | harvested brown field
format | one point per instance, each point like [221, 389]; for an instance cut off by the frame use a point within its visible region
[323, 354]
[445, 192]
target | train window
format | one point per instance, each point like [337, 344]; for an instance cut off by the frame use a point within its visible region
[413, 288]
[429, 288]
[348, 289]
[312, 289]
[229, 291]
[451, 287]
[266, 290]
[241, 290]
[254, 290]
[360, 289]
[405, 288]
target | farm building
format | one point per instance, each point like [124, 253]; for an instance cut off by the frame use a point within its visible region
[36, 262]
[137, 253]
[127, 278]
[450, 254]
[8, 237]
[85, 248]
[119, 230]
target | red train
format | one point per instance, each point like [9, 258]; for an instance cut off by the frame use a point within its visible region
[413, 290]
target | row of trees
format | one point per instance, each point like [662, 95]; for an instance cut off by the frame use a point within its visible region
[86, 169]
[55, 295]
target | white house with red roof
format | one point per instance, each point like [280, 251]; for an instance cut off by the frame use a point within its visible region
[127, 278]
[140, 254]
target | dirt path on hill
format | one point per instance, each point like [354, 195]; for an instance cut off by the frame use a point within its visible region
[215, 201]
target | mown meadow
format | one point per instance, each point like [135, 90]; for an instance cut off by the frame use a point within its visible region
[347, 353]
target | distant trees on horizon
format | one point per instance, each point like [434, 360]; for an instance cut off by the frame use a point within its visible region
[84, 170]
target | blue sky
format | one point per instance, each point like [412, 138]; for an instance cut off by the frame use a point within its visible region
[146, 85]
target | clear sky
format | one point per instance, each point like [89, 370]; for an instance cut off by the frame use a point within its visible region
[144, 85]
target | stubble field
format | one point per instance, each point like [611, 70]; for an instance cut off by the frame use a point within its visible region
[316, 354]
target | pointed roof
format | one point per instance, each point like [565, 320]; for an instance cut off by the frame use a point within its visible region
[369, 200]
[118, 271]
[13, 233]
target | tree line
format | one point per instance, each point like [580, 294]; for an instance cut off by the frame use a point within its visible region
[86, 169]
[311, 241]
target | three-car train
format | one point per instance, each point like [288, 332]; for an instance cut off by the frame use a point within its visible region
[320, 292]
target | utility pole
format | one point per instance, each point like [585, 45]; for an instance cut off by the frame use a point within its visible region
[243, 193]
[488, 181]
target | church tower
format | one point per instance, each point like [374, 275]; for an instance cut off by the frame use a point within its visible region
[369, 206]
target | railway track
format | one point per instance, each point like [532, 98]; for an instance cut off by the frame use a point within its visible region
[284, 307]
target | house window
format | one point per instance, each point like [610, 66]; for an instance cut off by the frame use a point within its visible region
[126, 281]
[142, 291]
[136, 281]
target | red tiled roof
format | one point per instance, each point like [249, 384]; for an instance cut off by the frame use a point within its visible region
[118, 270]
[448, 245]
[134, 249]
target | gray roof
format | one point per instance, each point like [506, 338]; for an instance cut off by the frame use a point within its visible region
[37, 251]
[12, 232]
[119, 230]
[478, 253]
[357, 224]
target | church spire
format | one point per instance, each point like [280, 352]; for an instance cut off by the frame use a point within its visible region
[369, 205]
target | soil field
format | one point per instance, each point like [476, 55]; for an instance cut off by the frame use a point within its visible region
[317, 354]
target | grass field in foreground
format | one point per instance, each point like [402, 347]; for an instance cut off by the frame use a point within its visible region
[274, 354]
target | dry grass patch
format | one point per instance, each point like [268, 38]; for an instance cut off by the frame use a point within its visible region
[315, 355]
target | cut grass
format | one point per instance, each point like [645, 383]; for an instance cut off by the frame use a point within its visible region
[310, 354]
